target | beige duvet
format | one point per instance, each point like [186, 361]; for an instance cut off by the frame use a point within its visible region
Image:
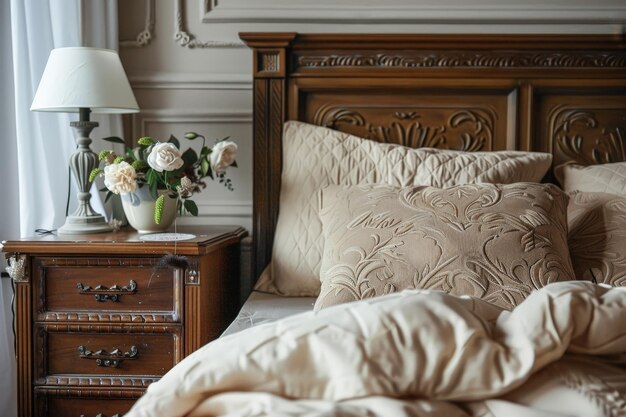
[415, 353]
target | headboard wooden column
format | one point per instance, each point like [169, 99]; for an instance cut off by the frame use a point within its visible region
[270, 98]
[564, 94]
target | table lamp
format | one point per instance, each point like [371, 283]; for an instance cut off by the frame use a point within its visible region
[84, 80]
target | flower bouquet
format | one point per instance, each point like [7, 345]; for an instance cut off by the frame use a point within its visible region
[165, 171]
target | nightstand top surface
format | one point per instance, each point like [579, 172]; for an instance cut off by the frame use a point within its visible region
[128, 241]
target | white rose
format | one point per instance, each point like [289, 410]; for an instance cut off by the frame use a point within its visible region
[165, 156]
[223, 155]
[120, 178]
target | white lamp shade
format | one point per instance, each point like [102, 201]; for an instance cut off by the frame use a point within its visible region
[83, 77]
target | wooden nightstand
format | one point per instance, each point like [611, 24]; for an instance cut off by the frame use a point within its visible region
[98, 320]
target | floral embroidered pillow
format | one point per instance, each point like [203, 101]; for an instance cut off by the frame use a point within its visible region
[597, 237]
[495, 242]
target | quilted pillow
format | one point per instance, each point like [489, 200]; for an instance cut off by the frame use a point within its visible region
[492, 241]
[605, 178]
[314, 157]
[597, 237]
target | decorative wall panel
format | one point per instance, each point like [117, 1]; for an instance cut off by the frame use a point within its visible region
[399, 11]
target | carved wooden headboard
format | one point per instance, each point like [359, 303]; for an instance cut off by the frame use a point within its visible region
[564, 94]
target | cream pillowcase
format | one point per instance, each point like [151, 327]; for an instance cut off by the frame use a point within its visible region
[495, 242]
[596, 220]
[314, 157]
[604, 178]
[597, 237]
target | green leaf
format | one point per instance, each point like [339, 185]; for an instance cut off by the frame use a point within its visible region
[204, 167]
[130, 152]
[151, 176]
[191, 135]
[153, 189]
[158, 209]
[175, 141]
[191, 207]
[205, 151]
[114, 139]
[190, 157]
[152, 179]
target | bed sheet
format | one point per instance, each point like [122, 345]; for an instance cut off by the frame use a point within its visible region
[262, 308]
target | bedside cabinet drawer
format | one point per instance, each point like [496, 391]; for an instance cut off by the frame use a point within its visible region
[119, 289]
[102, 356]
[74, 406]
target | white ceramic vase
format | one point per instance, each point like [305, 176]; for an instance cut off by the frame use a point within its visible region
[139, 210]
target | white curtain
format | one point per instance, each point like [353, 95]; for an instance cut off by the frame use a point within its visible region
[36, 146]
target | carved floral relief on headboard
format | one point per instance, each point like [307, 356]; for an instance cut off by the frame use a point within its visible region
[588, 136]
[463, 129]
[460, 59]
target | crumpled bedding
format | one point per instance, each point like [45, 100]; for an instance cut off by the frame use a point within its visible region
[561, 352]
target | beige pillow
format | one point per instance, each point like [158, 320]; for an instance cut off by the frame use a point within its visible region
[314, 157]
[597, 237]
[605, 178]
[496, 242]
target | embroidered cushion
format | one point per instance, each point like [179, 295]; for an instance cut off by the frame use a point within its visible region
[495, 242]
[597, 237]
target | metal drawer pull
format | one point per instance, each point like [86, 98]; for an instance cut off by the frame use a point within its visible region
[109, 360]
[103, 415]
[103, 293]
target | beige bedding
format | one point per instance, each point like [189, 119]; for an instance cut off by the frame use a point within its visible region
[415, 353]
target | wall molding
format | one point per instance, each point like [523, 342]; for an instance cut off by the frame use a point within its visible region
[226, 209]
[219, 210]
[407, 11]
[182, 115]
[196, 81]
[188, 40]
[144, 37]
[203, 219]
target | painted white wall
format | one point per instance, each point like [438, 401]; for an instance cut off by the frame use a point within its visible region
[208, 88]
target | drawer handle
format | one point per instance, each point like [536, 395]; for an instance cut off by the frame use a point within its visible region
[103, 293]
[106, 359]
[103, 415]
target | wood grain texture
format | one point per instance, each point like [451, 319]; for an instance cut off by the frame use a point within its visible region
[156, 354]
[48, 404]
[262, 170]
[60, 280]
[563, 94]
[24, 348]
[82, 355]
[126, 242]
